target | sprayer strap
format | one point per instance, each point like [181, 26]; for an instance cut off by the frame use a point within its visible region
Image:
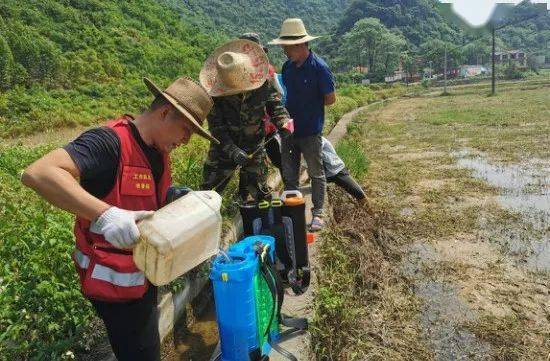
[297, 325]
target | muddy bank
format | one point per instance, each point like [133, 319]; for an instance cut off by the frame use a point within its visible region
[364, 306]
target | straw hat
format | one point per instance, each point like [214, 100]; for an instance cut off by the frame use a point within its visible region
[255, 38]
[235, 67]
[190, 99]
[292, 32]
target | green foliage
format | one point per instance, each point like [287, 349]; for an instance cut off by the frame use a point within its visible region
[350, 77]
[353, 154]
[73, 62]
[265, 18]
[434, 53]
[532, 35]
[369, 43]
[511, 71]
[426, 83]
[42, 309]
[352, 96]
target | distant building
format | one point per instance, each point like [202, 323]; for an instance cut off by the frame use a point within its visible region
[466, 71]
[398, 75]
[515, 56]
[361, 69]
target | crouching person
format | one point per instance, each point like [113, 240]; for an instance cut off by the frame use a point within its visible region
[337, 173]
[110, 178]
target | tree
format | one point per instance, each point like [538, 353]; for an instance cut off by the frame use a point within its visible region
[477, 52]
[434, 53]
[371, 44]
[6, 64]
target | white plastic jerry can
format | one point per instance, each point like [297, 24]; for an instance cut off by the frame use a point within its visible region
[179, 236]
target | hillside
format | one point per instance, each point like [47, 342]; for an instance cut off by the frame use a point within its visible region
[417, 20]
[532, 36]
[75, 61]
[264, 17]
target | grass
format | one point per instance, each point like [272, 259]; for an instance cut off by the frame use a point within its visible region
[408, 144]
[363, 308]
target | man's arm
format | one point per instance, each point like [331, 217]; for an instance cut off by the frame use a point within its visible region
[327, 85]
[54, 177]
[330, 98]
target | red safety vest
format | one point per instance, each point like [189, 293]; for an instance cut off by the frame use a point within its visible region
[108, 273]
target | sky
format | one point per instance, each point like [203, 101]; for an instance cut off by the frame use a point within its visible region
[477, 12]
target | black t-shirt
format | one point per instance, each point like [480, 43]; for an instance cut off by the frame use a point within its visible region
[96, 153]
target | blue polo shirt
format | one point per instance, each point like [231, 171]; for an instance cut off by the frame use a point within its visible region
[306, 88]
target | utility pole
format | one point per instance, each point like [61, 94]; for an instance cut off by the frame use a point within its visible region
[493, 72]
[445, 72]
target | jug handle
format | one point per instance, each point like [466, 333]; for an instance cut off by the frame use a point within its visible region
[294, 193]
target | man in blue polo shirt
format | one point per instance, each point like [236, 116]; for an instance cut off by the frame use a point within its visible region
[310, 87]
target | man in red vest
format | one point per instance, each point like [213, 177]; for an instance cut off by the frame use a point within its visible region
[110, 178]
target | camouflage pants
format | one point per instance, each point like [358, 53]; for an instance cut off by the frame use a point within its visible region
[218, 168]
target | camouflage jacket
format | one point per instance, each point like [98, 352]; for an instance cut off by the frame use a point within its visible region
[239, 119]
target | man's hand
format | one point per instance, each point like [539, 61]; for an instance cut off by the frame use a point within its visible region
[238, 155]
[285, 133]
[287, 129]
[118, 226]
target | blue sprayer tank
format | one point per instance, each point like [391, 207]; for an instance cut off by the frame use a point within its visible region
[240, 307]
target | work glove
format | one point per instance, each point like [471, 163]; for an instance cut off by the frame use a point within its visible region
[118, 226]
[237, 155]
[285, 133]
[287, 129]
[176, 192]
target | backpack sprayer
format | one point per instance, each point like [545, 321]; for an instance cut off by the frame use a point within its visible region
[248, 295]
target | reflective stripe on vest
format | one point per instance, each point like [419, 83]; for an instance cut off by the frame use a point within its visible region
[107, 274]
[81, 259]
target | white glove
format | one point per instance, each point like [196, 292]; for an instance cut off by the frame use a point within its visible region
[118, 226]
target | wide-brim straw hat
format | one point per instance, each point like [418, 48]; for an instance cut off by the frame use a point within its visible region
[292, 32]
[235, 67]
[190, 99]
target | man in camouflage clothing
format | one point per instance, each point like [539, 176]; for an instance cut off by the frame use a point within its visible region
[236, 119]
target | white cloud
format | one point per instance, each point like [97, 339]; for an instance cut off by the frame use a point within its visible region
[477, 12]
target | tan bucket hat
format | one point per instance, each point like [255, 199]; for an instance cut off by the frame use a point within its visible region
[235, 67]
[190, 99]
[292, 32]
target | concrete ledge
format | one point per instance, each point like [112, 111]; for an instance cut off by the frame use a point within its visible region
[171, 305]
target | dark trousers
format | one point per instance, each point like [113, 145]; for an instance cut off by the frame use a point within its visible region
[273, 150]
[310, 147]
[132, 327]
[344, 180]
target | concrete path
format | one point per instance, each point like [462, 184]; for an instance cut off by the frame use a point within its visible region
[300, 306]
